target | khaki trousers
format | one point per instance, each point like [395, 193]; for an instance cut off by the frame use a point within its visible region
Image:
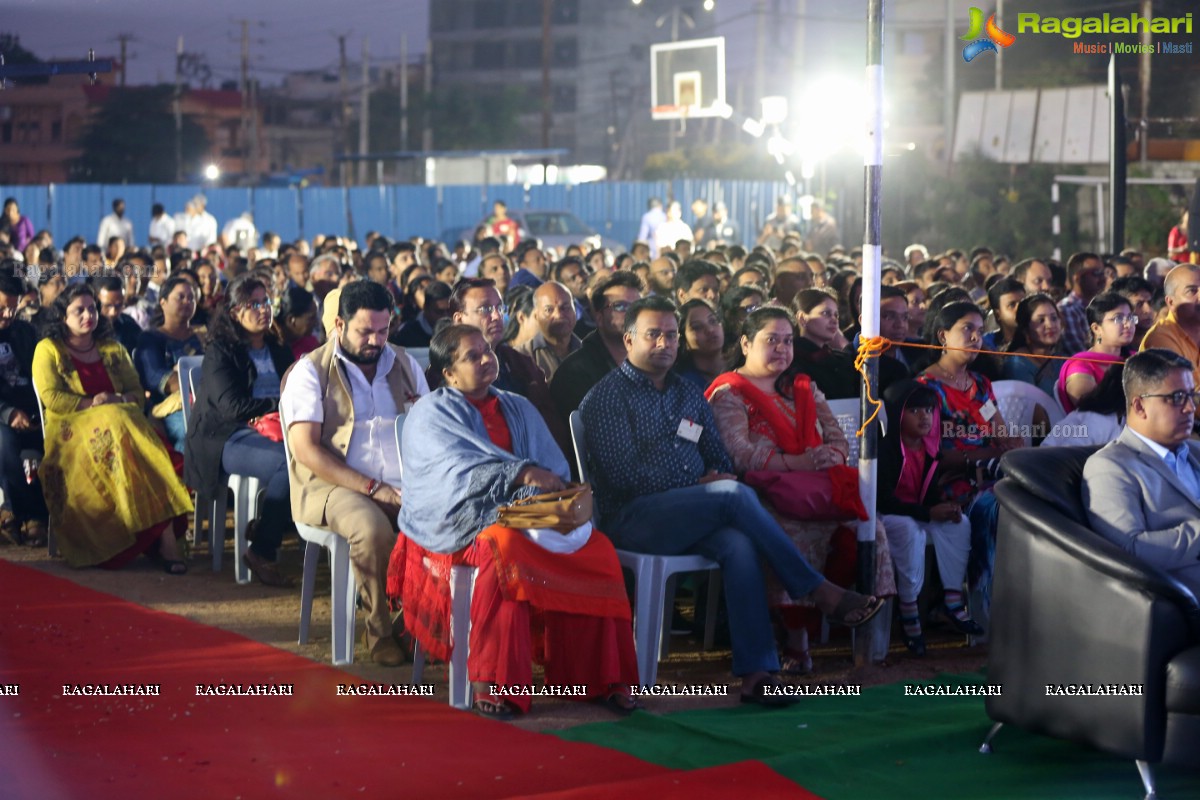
[371, 534]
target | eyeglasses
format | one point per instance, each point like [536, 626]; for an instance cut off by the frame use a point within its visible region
[487, 311]
[620, 306]
[1178, 399]
[654, 335]
[1124, 319]
[255, 305]
[750, 309]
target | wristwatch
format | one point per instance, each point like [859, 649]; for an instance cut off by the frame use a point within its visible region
[372, 487]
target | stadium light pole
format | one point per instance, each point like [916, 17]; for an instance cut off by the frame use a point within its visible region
[872, 256]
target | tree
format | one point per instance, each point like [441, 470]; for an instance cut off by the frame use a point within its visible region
[131, 139]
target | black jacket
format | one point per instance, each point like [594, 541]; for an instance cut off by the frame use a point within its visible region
[21, 339]
[891, 461]
[224, 403]
[579, 372]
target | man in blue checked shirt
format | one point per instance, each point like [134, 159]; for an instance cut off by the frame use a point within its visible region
[662, 483]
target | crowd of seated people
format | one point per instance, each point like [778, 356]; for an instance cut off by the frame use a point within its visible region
[702, 375]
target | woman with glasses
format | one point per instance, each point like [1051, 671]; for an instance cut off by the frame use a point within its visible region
[109, 481]
[239, 385]
[701, 343]
[171, 337]
[1112, 322]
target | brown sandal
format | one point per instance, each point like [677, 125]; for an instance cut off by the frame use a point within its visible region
[855, 609]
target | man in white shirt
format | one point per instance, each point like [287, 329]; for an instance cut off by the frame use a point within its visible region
[162, 226]
[201, 226]
[241, 232]
[115, 224]
[340, 404]
[673, 229]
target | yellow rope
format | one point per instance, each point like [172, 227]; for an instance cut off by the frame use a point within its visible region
[875, 346]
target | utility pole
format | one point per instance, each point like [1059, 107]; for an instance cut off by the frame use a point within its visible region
[1144, 86]
[427, 134]
[948, 64]
[999, 50]
[403, 91]
[178, 108]
[547, 53]
[343, 97]
[364, 118]
[124, 39]
[244, 86]
[760, 54]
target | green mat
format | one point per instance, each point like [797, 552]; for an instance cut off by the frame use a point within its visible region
[884, 744]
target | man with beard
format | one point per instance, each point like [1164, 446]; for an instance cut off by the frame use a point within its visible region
[662, 276]
[1179, 330]
[340, 403]
[477, 302]
[554, 312]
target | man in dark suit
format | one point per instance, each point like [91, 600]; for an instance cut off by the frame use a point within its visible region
[1142, 491]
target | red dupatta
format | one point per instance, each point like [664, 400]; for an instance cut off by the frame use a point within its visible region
[794, 439]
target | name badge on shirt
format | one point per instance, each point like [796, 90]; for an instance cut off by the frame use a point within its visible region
[689, 430]
[987, 410]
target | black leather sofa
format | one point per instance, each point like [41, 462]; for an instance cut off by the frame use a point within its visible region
[1070, 608]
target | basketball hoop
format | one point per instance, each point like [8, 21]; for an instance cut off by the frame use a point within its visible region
[687, 79]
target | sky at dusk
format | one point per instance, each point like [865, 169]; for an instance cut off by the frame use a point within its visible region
[286, 35]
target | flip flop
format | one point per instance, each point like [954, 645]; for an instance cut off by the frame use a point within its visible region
[492, 708]
[852, 602]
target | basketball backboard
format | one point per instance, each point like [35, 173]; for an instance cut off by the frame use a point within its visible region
[687, 79]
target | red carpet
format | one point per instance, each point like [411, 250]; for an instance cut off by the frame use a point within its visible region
[311, 745]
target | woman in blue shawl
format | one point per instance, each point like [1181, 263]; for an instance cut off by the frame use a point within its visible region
[559, 599]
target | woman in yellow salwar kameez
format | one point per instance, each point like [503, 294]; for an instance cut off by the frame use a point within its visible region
[109, 481]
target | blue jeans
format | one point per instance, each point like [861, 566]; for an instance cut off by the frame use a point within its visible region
[26, 499]
[248, 452]
[724, 521]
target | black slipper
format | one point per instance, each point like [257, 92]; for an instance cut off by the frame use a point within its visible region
[174, 567]
[491, 708]
[758, 693]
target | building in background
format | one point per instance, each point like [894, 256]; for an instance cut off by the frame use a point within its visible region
[599, 68]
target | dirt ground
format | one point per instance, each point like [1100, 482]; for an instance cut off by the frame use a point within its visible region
[271, 616]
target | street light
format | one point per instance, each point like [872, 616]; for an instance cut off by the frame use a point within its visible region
[212, 172]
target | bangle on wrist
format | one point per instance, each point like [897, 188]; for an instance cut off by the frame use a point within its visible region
[372, 487]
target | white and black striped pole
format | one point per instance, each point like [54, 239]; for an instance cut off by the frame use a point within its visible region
[872, 257]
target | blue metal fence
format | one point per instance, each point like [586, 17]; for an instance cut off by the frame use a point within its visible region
[613, 208]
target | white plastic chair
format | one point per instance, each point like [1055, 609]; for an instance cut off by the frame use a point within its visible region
[654, 586]
[421, 354]
[462, 587]
[343, 591]
[1019, 400]
[247, 490]
[51, 541]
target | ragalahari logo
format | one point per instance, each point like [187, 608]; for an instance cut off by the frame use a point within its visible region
[992, 36]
